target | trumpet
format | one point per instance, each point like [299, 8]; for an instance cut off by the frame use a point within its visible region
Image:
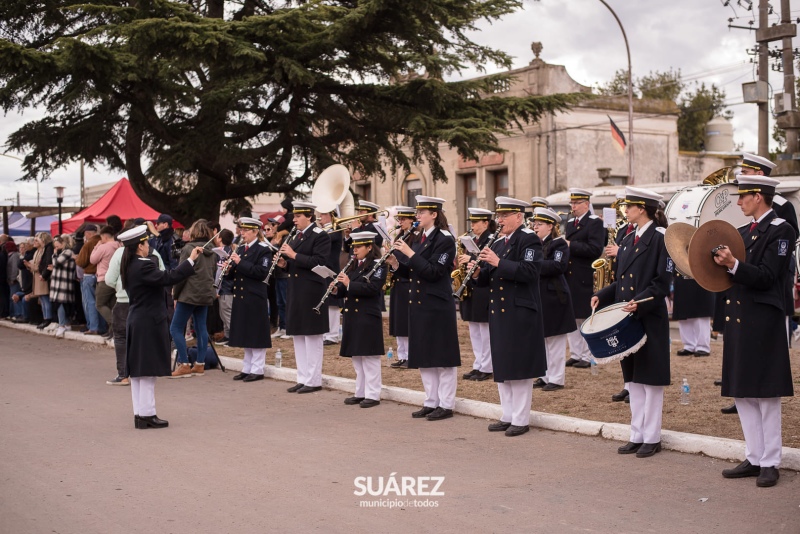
[278, 256]
[333, 284]
[383, 258]
[226, 267]
[468, 276]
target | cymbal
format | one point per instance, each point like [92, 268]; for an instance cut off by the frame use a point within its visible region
[677, 238]
[706, 272]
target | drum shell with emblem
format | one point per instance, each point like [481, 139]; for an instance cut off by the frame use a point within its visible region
[699, 204]
[613, 334]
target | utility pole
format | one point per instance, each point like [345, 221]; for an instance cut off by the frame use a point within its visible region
[83, 189]
[763, 76]
[789, 121]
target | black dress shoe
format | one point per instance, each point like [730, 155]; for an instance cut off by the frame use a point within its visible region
[621, 396]
[717, 382]
[241, 376]
[581, 365]
[629, 448]
[571, 362]
[295, 388]
[499, 426]
[403, 365]
[769, 477]
[729, 409]
[628, 399]
[552, 387]
[538, 383]
[481, 376]
[743, 470]
[648, 449]
[309, 389]
[43, 325]
[419, 414]
[328, 342]
[135, 421]
[515, 430]
[470, 375]
[701, 353]
[151, 422]
[253, 378]
[439, 413]
[369, 403]
[684, 352]
[353, 400]
[397, 364]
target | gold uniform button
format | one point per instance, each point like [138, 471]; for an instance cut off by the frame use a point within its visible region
[356, 301]
[356, 311]
[631, 288]
[503, 311]
[727, 318]
[418, 302]
[491, 301]
[738, 321]
[492, 311]
[502, 298]
[410, 302]
[737, 302]
[728, 301]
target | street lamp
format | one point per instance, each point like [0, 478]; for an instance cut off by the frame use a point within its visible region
[59, 199]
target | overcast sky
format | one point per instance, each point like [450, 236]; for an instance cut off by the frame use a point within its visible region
[690, 35]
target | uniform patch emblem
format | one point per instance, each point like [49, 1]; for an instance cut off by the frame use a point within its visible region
[265, 262]
[378, 273]
[670, 265]
[529, 254]
[783, 247]
[558, 255]
[443, 259]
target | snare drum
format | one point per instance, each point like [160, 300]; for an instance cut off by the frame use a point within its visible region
[613, 334]
[699, 204]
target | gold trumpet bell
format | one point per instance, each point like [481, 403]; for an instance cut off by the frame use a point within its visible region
[725, 175]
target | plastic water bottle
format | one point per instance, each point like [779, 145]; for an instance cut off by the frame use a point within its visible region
[278, 358]
[594, 367]
[390, 354]
[685, 392]
[340, 333]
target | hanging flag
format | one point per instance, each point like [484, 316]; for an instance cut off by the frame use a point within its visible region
[618, 136]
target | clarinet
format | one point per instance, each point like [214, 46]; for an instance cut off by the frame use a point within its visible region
[330, 287]
[383, 258]
[471, 270]
[278, 256]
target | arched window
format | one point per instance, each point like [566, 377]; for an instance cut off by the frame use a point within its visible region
[413, 187]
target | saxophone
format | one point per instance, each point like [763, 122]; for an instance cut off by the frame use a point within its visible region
[460, 273]
[603, 273]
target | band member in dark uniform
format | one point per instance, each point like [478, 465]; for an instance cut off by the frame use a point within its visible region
[367, 223]
[644, 270]
[148, 341]
[559, 320]
[475, 306]
[510, 268]
[310, 247]
[432, 329]
[334, 304]
[250, 326]
[401, 287]
[586, 238]
[693, 308]
[756, 370]
[362, 329]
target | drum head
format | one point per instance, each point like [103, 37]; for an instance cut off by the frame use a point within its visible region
[706, 272]
[720, 205]
[685, 205]
[604, 319]
[677, 239]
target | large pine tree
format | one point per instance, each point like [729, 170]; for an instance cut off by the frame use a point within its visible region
[201, 102]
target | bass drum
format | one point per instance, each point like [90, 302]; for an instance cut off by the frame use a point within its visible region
[699, 204]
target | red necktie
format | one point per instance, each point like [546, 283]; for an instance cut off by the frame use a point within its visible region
[576, 222]
[635, 240]
[629, 230]
[246, 247]
[360, 263]
[753, 226]
[424, 237]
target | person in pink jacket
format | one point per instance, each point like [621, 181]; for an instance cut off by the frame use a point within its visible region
[101, 256]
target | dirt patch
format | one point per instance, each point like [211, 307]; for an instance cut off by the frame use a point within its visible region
[584, 395]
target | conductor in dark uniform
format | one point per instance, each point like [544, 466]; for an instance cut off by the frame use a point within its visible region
[250, 326]
[644, 270]
[310, 247]
[362, 329]
[147, 332]
[756, 370]
[586, 238]
[432, 330]
[511, 269]
[399, 295]
[554, 291]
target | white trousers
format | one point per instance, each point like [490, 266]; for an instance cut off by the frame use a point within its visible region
[515, 400]
[308, 356]
[556, 347]
[402, 348]
[578, 349]
[143, 394]
[761, 425]
[254, 360]
[440, 386]
[646, 411]
[696, 333]
[368, 376]
[333, 320]
[479, 335]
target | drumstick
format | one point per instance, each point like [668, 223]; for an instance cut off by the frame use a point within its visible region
[594, 309]
[626, 303]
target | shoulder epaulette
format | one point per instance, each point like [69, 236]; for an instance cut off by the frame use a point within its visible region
[145, 259]
[445, 232]
[593, 216]
[661, 230]
[777, 220]
[527, 230]
[779, 200]
[560, 237]
[318, 230]
[570, 220]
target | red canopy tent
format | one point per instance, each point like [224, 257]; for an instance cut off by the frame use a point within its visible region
[119, 200]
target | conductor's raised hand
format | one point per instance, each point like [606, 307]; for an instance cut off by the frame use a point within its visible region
[196, 251]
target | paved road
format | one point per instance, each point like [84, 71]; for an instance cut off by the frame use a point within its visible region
[241, 458]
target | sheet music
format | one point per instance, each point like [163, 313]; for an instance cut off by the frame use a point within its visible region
[469, 245]
[220, 252]
[609, 217]
[324, 272]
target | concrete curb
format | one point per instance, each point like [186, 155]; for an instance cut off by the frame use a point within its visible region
[714, 447]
